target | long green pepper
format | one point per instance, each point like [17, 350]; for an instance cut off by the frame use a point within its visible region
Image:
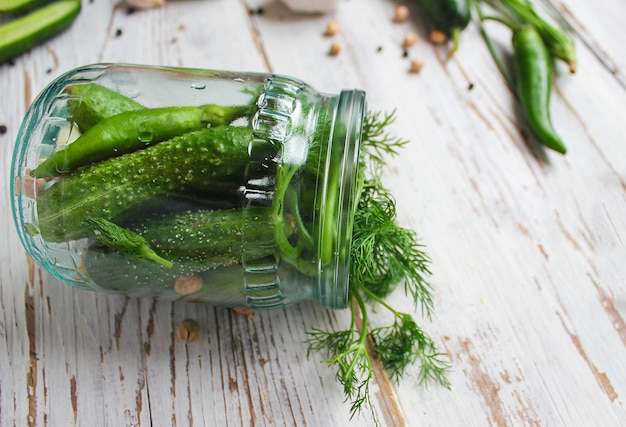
[91, 103]
[134, 130]
[533, 84]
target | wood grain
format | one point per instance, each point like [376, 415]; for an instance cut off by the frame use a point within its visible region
[527, 246]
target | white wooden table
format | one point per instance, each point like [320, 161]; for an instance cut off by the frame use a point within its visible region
[528, 247]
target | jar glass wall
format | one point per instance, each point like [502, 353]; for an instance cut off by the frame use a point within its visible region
[235, 189]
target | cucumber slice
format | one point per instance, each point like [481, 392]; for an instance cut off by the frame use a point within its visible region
[23, 33]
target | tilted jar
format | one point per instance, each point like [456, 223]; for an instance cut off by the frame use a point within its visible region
[227, 188]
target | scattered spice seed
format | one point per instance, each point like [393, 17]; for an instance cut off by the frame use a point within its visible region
[332, 28]
[438, 37]
[416, 66]
[334, 50]
[118, 32]
[379, 49]
[243, 311]
[409, 40]
[401, 13]
[405, 53]
[188, 284]
[188, 330]
[470, 86]
[3, 129]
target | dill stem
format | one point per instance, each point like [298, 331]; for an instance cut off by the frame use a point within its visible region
[364, 319]
[378, 299]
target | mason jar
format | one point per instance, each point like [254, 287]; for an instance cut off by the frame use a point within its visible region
[227, 188]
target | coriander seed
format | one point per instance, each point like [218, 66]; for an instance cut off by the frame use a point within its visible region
[243, 311]
[188, 284]
[409, 40]
[188, 330]
[401, 13]
[332, 28]
[438, 37]
[416, 66]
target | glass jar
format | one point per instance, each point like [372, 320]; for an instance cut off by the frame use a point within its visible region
[225, 188]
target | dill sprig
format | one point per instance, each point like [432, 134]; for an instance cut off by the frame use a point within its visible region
[383, 255]
[349, 350]
[130, 244]
[377, 143]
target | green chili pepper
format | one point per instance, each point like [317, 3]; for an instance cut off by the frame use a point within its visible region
[533, 81]
[448, 16]
[557, 40]
[90, 103]
[133, 130]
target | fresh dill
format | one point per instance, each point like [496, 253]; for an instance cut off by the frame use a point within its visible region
[383, 256]
[130, 244]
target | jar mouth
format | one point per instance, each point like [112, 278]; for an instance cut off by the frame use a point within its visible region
[340, 199]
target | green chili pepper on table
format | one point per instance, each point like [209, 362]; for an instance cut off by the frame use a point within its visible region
[533, 84]
[559, 43]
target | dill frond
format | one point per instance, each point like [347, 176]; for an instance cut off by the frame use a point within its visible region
[383, 256]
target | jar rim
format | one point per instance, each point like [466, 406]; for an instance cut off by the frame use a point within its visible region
[336, 233]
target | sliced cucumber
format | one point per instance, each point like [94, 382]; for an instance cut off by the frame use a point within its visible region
[19, 6]
[23, 33]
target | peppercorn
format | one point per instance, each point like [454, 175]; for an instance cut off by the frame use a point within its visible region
[334, 50]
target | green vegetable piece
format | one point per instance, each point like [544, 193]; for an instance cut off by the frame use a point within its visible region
[111, 270]
[25, 32]
[17, 6]
[130, 244]
[383, 255]
[521, 13]
[533, 80]
[448, 16]
[208, 239]
[134, 130]
[113, 188]
[91, 103]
